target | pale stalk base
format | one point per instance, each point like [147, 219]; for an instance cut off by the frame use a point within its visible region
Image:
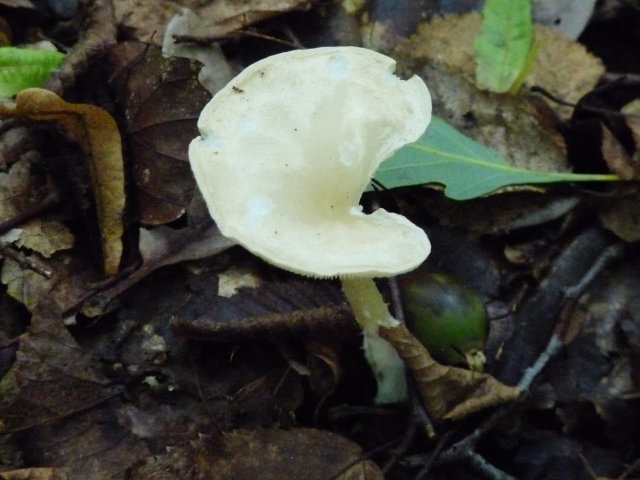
[371, 312]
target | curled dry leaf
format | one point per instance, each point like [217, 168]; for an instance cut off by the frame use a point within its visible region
[97, 134]
[449, 393]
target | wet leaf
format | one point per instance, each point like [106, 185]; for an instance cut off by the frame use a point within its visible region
[467, 169]
[97, 134]
[504, 48]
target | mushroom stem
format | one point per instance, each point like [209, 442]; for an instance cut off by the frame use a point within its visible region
[371, 312]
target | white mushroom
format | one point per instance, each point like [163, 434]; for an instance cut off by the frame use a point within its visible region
[285, 152]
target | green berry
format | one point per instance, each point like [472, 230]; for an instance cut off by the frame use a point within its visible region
[447, 317]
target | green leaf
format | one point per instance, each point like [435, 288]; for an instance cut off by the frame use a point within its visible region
[504, 48]
[22, 68]
[467, 169]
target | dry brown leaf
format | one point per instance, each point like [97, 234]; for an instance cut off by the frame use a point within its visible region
[442, 52]
[295, 306]
[45, 236]
[52, 376]
[301, 453]
[97, 34]
[71, 280]
[97, 134]
[562, 66]
[323, 361]
[35, 474]
[616, 157]
[148, 19]
[622, 217]
[18, 3]
[20, 194]
[161, 100]
[230, 15]
[449, 393]
[633, 122]
[19, 191]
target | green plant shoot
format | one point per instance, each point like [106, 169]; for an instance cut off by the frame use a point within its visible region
[505, 48]
[22, 68]
[466, 168]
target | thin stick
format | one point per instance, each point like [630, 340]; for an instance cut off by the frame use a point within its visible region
[25, 262]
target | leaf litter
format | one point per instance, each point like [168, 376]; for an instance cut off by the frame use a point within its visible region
[171, 376]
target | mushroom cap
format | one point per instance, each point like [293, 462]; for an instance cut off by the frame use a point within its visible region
[287, 148]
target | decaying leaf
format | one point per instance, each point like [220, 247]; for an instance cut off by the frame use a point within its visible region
[19, 190]
[52, 376]
[22, 194]
[161, 100]
[266, 309]
[563, 67]
[98, 34]
[160, 247]
[68, 285]
[295, 454]
[97, 134]
[45, 236]
[503, 123]
[622, 217]
[18, 3]
[148, 20]
[448, 393]
[51, 473]
[69, 442]
[325, 369]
